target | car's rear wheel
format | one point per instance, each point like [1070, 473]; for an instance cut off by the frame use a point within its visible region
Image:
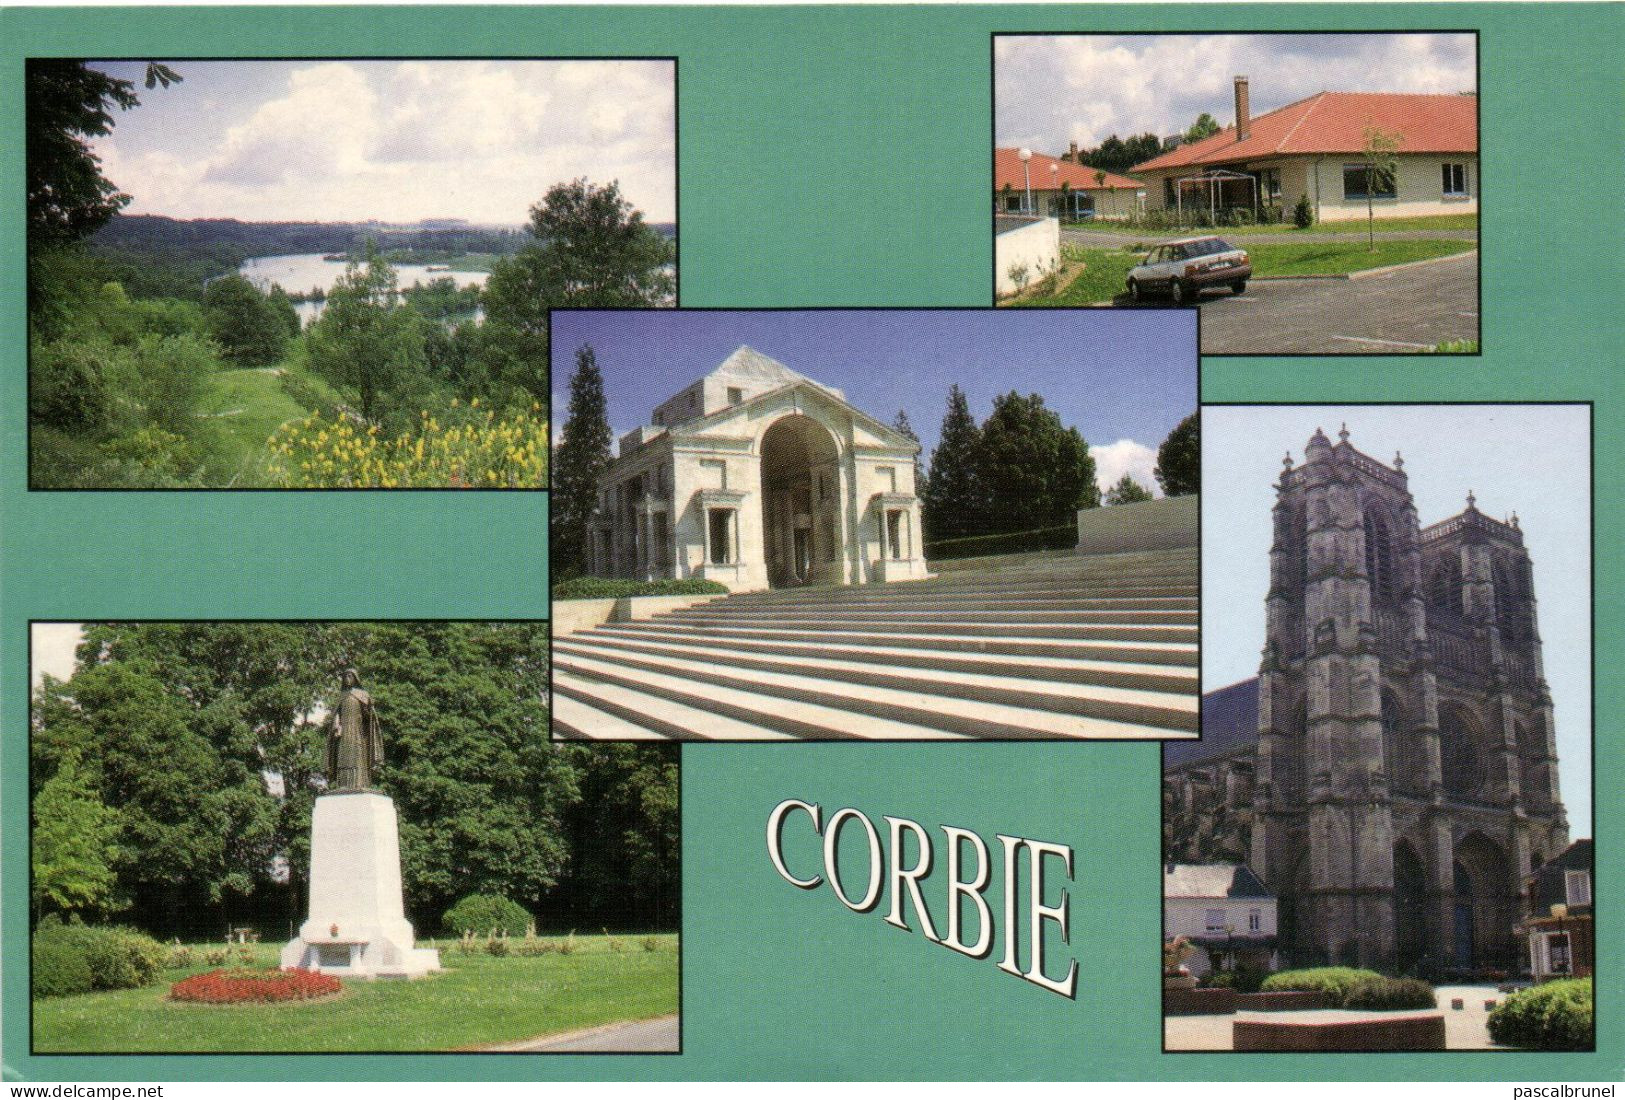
[1239, 286]
[1177, 292]
[1134, 290]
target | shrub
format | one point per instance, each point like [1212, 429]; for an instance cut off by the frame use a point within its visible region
[1554, 1016]
[1390, 993]
[496, 946]
[216, 956]
[220, 987]
[600, 588]
[1334, 981]
[1303, 214]
[77, 958]
[568, 947]
[483, 914]
[651, 943]
[60, 969]
[180, 956]
[1245, 979]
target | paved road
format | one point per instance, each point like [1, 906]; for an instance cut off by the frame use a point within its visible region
[1089, 238]
[659, 1036]
[1406, 310]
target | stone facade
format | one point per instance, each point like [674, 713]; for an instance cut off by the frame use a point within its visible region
[757, 477]
[1395, 777]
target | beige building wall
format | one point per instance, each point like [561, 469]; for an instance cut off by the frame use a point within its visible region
[1420, 186]
[1109, 202]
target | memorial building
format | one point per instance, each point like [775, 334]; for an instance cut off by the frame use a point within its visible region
[757, 477]
[1391, 775]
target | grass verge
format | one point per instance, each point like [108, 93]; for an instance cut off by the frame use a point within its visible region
[478, 1000]
[244, 408]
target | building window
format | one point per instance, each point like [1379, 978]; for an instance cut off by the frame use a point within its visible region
[894, 534]
[735, 395]
[1357, 177]
[1255, 920]
[1558, 958]
[888, 477]
[719, 528]
[1269, 185]
[1168, 196]
[1215, 921]
[1577, 887]
[1379, 558]
[1012, 203]
[1455, 181]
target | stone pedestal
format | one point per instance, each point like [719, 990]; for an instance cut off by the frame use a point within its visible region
[357, 924]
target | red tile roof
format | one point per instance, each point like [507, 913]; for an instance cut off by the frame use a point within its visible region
[1079, 177]
[1335, 122]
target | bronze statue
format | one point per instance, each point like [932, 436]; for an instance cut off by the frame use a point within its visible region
[354, 747]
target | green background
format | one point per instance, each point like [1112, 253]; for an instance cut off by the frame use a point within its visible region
[836, 156]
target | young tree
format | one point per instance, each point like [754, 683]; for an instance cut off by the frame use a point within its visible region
[1127, 491]
[1179, 459]
[249, 327]
[73, 844]
[583, 454]
[1204, 126]
[952, 501]
[1035, 472]
[1381, 172]
[370, 346]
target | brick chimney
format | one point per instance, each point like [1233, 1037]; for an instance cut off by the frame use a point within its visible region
[1244, 118]
[1072, 154]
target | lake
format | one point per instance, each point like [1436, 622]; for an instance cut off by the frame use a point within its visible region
[302, 274]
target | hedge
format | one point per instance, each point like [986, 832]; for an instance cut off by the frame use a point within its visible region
[601, 588]
[1391, 993]
[1553, 1016]
[1016, 542]
[1334, 981]
[78, 958]
[482, 914]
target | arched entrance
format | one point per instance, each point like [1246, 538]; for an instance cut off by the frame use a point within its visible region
[800, 509]
[1410, 908]
[1484, 909]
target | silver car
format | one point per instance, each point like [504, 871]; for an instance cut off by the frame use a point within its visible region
[1184, 268]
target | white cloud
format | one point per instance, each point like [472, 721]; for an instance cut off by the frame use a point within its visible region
[51, 647]
[1054, 89]
[399, 141]
[1125, 457]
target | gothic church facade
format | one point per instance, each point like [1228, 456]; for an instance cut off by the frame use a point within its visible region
[1391, 775]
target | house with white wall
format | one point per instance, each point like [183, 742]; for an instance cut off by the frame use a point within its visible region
[1224, 911]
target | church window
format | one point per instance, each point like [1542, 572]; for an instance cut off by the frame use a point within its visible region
[1459, 756]
[1379, 557]
[1444, 584]
[1577, 887]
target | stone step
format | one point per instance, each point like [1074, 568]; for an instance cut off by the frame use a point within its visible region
[899, 592]
[1144, 632]
[1033, 601]
[967, 704]
[1014, 643]
[761, 717]
[909, 614]
[598, 709]
[1123, 674]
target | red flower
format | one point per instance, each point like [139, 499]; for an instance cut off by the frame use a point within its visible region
[248, 986]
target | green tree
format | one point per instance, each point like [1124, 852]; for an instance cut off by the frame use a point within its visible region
[591, 249]
[1378, 149]
[250, 329]
[952, 502]
[1179, 459]
[626, 836]
[1127, 491]
[905, 429]
[73, 845]
[370, 346]
[1203, 127]
[583, 454]
[1036, 472]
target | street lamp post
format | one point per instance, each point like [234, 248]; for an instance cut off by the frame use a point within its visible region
[1054, 175]
[1026, 175]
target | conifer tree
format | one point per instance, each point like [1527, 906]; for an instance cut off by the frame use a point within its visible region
[952, 501]
[582, 456]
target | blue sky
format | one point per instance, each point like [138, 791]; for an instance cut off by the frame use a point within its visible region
[1533, 460]
[1123, 378]
[393, 140]
[1050, 90]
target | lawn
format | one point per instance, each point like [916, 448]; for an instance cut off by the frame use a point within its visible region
[1107, 271]
[245, 407]
[477, 1001]
[1358, 225]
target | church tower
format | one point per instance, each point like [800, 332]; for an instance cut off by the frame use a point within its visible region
[1405, 770]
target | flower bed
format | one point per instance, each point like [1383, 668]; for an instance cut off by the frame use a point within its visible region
[223, 987]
